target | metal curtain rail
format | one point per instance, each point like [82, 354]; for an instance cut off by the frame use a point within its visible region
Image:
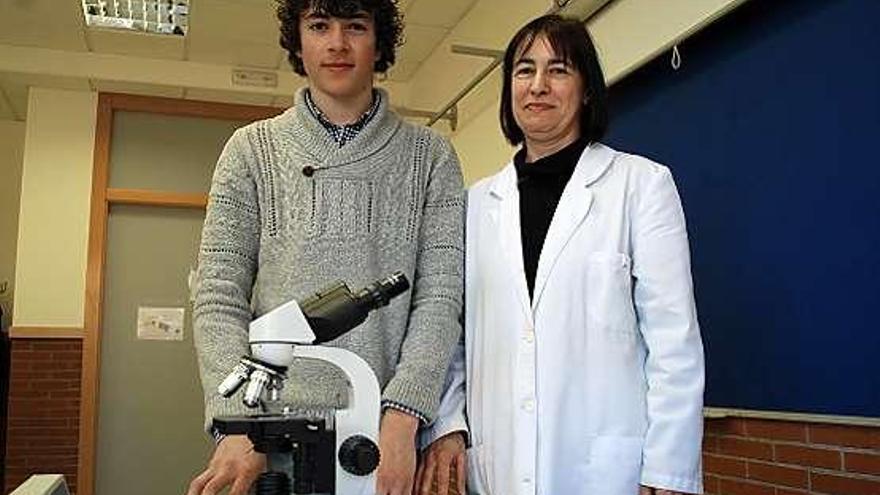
[451, 115]
[464, 92]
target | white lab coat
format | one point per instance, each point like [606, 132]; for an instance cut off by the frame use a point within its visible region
[595, 385]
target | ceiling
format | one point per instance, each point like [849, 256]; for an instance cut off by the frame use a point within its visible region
[46, 43]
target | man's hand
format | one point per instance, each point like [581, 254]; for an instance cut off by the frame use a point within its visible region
[648, 490]
[397, 453]
[438, 461]
[234, 463]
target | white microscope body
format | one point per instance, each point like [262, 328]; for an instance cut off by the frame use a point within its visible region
[286, 333]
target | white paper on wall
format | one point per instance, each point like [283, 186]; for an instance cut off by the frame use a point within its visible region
[160, 323]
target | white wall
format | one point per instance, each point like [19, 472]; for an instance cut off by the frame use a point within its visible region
[11, 150]
[54, 212]
[481, 146]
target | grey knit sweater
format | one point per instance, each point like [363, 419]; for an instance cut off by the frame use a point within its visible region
[390, 199]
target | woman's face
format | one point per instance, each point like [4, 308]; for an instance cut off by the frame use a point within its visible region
[547, 95]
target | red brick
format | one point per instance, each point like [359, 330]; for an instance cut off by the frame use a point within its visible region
[21, 406]
[779, 475]
[861, 463]
[36, 422]
[710, 444]
[849, 436]
[66, 356]
[52, 343]
[28, 394]
[726, 466]
[43, 459]
[725, 426]
[43, 411]
[776, 430]
[51, 433]
[33, 374]
[28, 449]
[737, 487]
[790, 491]
[807, 456]
[67, 374]
[19, 383]
[843, 485]
[745, 448]
[52, 448]
[55, 384]
[14, 463]
[36, 404]
[67, 365]
[63, 394]
[31, 356]
[67, 345]
[710, 484]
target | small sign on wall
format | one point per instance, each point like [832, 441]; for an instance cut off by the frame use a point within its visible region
[160, 323]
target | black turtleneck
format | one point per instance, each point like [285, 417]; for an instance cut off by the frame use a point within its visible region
[540, 187]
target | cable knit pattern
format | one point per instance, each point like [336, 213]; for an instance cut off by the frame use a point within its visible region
[390, 199]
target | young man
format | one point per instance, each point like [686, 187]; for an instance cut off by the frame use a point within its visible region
[336, 188]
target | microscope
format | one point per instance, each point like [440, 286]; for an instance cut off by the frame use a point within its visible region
[340, 458]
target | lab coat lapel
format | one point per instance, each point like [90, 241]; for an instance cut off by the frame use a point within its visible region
[572, 210]
[504, 213]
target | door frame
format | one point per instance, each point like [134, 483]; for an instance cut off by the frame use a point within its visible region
[101, 198]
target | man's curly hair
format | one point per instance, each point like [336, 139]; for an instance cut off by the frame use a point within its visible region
[386, 17]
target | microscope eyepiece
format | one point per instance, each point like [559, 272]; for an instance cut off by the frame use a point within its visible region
[336, 310]
[381, 292]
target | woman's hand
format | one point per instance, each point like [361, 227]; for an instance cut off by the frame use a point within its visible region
[440, 460]
[234, 463]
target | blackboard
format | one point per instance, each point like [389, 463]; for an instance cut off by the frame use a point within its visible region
[770, 127]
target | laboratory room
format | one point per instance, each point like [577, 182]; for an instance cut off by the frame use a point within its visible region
[400, 247]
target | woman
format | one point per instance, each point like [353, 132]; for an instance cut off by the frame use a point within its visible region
[584, 363]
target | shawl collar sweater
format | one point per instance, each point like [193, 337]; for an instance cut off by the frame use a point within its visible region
[390, 199]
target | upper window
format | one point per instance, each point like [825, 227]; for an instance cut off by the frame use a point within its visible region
[148, 16]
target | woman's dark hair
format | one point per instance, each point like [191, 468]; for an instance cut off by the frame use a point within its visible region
[570, 41]
[386, 17]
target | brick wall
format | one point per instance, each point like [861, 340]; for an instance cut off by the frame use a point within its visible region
[761, 457]
[4, 384]
[741, 456]
[43, 419]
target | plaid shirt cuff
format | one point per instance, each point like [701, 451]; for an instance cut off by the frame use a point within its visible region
[218, 437]
[386, 404]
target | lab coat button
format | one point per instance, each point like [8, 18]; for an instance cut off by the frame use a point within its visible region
[528, 405]
[529, 335]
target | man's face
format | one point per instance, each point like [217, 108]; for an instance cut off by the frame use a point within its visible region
[338, 53]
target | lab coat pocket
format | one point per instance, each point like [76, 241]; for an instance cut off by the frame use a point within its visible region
[609, 307]
[476, 473]
[615, 465]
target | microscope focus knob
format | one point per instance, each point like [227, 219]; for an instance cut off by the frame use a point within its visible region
[359, 455]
